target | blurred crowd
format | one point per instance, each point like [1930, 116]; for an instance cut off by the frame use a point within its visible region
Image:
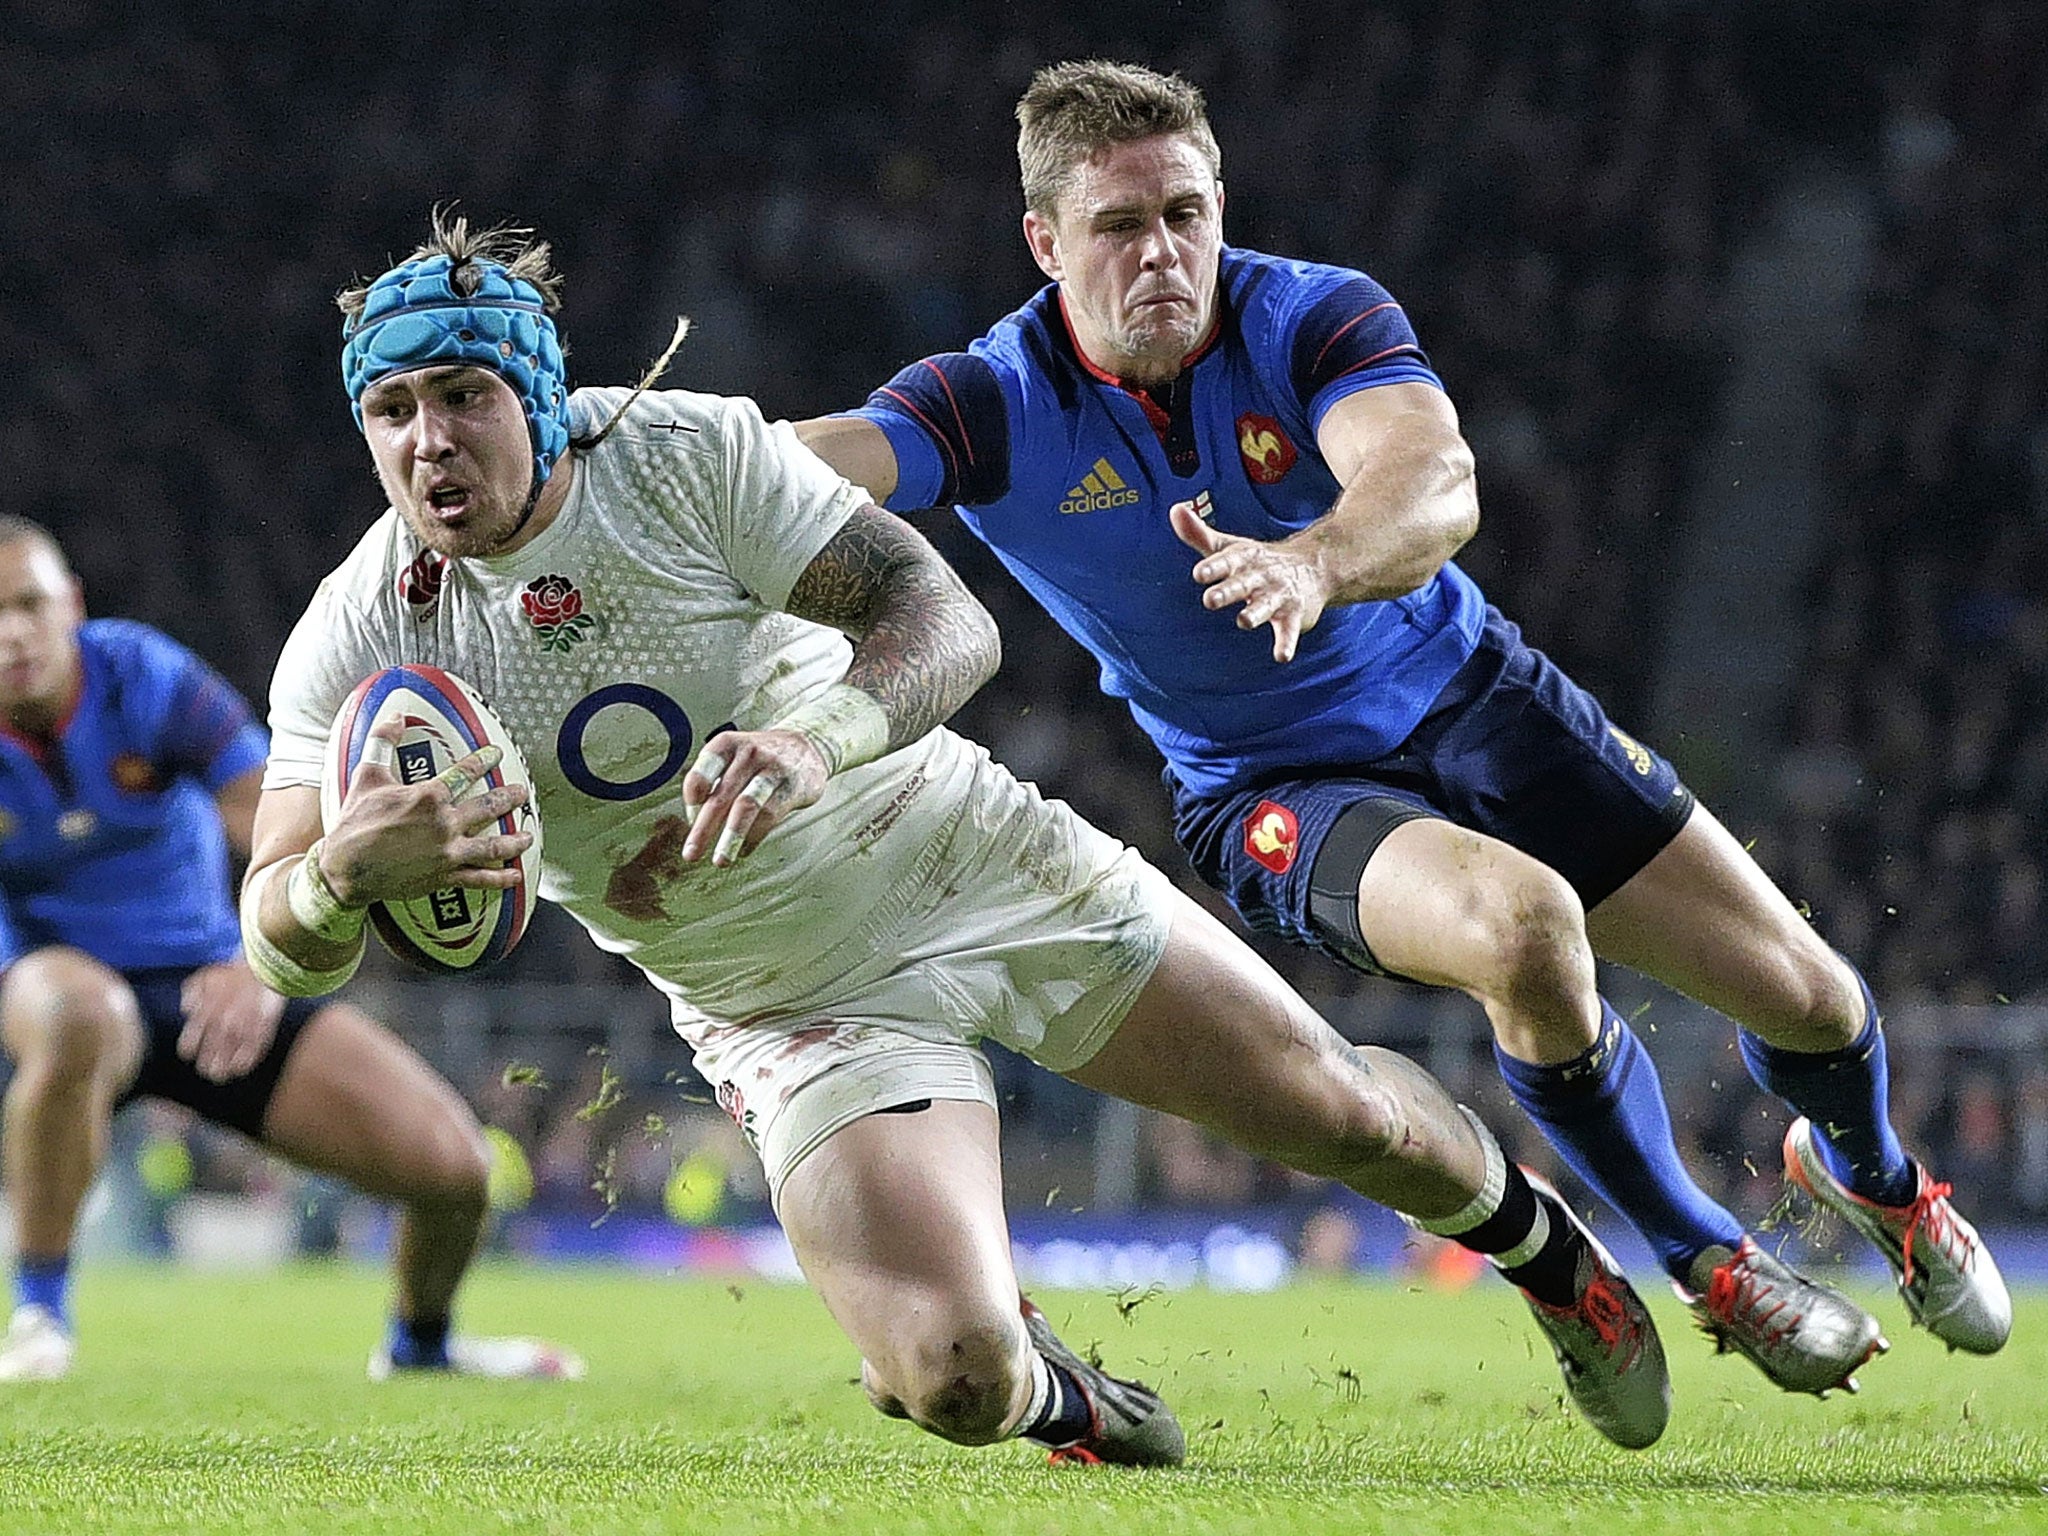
[1554, 192]
[1915, 785]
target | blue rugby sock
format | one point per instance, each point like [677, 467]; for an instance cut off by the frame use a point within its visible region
[45, 1283]
[1604, 1113]
[1845, 1094]
[420, 1343]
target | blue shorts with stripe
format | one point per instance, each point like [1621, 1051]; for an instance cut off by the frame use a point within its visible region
[1512, 748]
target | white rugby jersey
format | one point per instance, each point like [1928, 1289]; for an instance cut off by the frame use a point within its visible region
[640, 622]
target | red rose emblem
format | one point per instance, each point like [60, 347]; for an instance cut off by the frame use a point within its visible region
[555, 608]
[734, 1103]
[551, 600]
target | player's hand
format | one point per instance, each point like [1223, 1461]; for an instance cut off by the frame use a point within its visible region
[230, 1020]
[744, 783]
[395, 841]
[1280, 583]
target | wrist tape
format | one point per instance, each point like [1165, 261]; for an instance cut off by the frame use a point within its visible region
[276, 969]
[846, 724]
[315, 906]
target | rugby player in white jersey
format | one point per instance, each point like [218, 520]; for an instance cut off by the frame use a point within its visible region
[839, 896]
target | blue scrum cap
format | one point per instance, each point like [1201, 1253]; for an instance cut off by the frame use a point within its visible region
[414, 318]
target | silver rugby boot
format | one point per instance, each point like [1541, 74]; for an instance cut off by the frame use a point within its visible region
[1805, 1336]
[1947, 1276]
[1606, 1342]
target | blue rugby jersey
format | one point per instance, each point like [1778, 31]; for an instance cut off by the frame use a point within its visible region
[1067, 477]
[110, 840]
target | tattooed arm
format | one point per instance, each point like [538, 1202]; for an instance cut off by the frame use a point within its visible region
[921, 645]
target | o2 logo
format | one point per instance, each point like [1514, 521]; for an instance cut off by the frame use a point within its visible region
[668, 714]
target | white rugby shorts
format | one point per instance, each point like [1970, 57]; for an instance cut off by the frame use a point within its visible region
[1032, 929]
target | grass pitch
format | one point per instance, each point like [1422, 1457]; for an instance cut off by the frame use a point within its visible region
[216, 1404]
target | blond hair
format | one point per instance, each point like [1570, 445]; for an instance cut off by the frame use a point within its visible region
[1074, 110]
[511, 246]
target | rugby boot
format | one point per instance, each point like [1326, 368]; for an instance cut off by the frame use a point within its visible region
[497, 1359]
[1129, 1424]
[1805, 1336]
[1949, 1279]
[1606, 1343]
[37, 1346]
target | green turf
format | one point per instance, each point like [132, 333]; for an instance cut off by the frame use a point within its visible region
[205, 1403]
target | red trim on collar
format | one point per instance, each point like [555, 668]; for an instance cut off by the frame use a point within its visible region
[1201, 348]
[38, 747]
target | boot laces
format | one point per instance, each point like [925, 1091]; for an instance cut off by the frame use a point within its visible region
[1740, 1294]
[1931, 1213]
[1601, 1308]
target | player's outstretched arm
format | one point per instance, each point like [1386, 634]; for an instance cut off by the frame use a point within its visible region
[230, 1016]
[1410, 499]
[1408, 502]
[922, 645]
[236, 801]
[858, 449]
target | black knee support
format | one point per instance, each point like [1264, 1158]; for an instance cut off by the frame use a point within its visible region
[1333, 882]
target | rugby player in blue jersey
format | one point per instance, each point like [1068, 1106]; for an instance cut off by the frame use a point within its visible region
[1395, 778]
[127, 770]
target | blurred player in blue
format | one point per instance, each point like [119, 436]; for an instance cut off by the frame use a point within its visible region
[1177, 445]
[127, 770]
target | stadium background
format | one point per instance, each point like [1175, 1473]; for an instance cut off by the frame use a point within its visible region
[1745, 306]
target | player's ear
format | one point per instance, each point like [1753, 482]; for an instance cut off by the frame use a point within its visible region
[1044, 243]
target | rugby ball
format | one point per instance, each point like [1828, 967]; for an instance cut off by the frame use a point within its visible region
[459, 929]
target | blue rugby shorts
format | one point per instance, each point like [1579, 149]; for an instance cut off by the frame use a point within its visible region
[1512, 748]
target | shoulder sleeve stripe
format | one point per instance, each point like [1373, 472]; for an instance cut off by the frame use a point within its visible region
[910, 409]
[1379, 357]
[966, 439]
[1354, 320]
[1347, 324]
[957, 402]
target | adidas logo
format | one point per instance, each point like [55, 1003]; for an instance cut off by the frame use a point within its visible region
[1100, 489]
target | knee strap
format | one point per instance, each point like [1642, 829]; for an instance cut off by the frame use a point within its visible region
[1333, 881]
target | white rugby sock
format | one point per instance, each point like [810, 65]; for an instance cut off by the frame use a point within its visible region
[1044, 1395]
[1493, 1184]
